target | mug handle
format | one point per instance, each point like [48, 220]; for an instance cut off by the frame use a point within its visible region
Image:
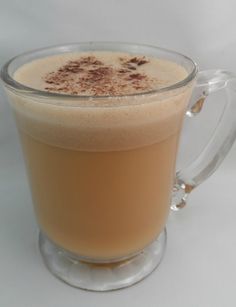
[208, 81]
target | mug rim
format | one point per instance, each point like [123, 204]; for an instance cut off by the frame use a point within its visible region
[14, 85]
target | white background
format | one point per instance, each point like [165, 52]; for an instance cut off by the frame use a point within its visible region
[199, 266]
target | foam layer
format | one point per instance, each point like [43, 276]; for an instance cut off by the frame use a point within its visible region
[100, 124]
[99, 73]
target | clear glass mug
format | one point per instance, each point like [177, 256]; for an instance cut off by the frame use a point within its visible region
[102, 169]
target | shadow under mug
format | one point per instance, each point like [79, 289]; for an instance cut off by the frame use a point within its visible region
[101, 169]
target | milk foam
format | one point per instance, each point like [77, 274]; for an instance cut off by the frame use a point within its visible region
[125, 73]
[101, 124]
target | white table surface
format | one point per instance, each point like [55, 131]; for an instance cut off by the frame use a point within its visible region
[199, 268]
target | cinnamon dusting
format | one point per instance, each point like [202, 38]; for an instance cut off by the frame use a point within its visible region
[89, 75]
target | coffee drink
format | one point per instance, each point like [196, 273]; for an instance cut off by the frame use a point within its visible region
[101, 161]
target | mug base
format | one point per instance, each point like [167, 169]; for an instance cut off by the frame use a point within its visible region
[101, 276]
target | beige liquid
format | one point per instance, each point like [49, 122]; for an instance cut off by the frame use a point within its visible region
[101, 178]
[105, 204]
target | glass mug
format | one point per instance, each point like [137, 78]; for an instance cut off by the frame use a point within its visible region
[102, 169]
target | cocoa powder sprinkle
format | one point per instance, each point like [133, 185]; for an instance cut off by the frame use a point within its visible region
[87, 74]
